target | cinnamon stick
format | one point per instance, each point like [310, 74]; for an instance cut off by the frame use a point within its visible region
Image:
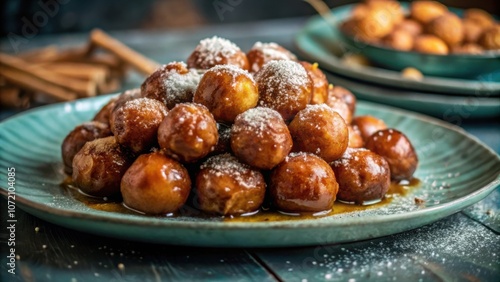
[136, 60]
[12, 97]
[82, 88]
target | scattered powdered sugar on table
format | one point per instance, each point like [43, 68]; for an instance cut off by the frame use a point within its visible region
[418, 255]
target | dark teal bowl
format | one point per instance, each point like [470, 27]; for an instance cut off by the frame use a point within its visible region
[452, 65]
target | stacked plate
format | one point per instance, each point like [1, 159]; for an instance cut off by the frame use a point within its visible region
[445, 97]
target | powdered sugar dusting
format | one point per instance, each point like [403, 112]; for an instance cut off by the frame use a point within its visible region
[273, 51]
[146, 107]
[181, 87]
[213, 50]
[283, 79]
[228, 165]
[231, 70]
[259, 120]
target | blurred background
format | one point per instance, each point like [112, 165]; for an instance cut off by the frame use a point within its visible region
[81, 16]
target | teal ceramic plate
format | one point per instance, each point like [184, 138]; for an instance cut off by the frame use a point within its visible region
[322, 42]
[456, 170]
[454, 109]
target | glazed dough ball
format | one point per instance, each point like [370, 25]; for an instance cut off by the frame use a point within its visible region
[303, 183]
[399, 39]
[393, 8]
[104, 113]
[188, 132]
[217, 51]
[412, 73]
[430, 44]
[80, 135]
[320, 84]
[344, 94]
[367, 125]
[285, 87]
[226, 186]
[320, 130]
[341, 107]
[480, 17]
[135, 124]
[262, 53]
[363, 176]
[448, 27]
[426, 11]
[397, 149]
[155, 184]
[99, 166]
[355, 139]
[227, 91]
[171, 84]
[260, 138]
[410, 26]
[377, 23]
[472, 31]
[490, 39]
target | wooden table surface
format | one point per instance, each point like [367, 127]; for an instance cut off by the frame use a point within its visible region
[462, 247]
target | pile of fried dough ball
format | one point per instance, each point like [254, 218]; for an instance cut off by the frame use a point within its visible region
[428, 28]
[234, 130]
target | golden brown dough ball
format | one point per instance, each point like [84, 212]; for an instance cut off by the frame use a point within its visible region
[80, 135]
[467, 48]
[490, 39]
[99, 166]
[226, 186]
[104, 113]
[399, 39]
[260, 138]
[262, 53]
[215, 51]
[426, 11]
[344, 94]
[171, 84]
[135, 124]
[412, 73]
[359, 11]
[480, 17]
[355, 139]
[285, 87]
[126, 96]
[303, 183]
[411, 26]
[430, 44]
[227, 91]
[341, 107]
[320, 130]
[320, 83]
[367, 125]
[363, 176]
[377, 23]
[448, 27]
[155, 184]
[472, 31]
[392, 7]
[397, 149]
[188, 132]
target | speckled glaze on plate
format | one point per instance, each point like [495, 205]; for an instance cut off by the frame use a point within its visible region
[322, 42]
[456, 170]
